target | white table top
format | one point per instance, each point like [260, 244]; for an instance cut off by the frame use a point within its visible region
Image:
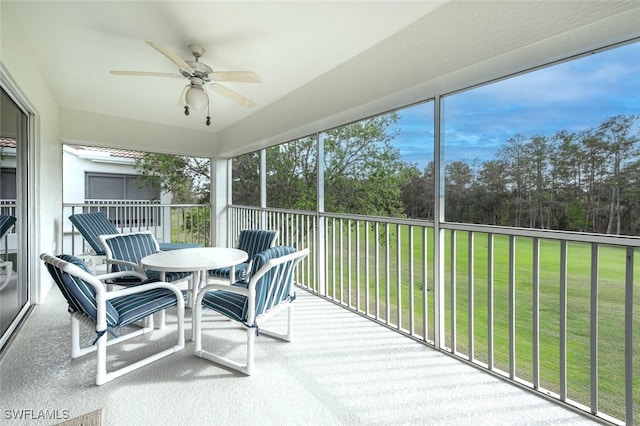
[194, 259]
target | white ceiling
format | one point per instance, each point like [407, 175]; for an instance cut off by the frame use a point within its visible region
[287, 44]
[316, 59]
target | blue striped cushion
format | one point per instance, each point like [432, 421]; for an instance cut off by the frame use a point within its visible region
[235, 306]
[241, 272]
[229, 304]
[169, 277]
[80, 296]
[91, 226]
[137, 306]
[262, 286]
[178, 246]
[6, 222]
[131, 248]
[254, 241]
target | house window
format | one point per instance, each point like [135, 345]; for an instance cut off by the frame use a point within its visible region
[8, 183]
[137, 202]
[103, 186]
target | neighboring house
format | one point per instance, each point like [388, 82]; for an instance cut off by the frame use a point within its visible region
[100, 176]
[93, 174]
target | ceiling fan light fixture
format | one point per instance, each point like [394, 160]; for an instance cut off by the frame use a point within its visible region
[197, 98]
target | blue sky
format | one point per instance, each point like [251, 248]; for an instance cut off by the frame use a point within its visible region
[571, 96]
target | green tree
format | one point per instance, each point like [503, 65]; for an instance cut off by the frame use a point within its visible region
[491, 193]
[245, 179]
[577, 218]
[292, 175]
[458, 184]
[620, 144]
[186, 178]
[538, 168]
[417, 192]
[514, 156]
[596, 158]
[363, 171]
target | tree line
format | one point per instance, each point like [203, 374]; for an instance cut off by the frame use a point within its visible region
[586, 181]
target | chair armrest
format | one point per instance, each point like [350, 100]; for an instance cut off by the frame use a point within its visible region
[225, 287]
[137, 268]
[112, 275]
[144, 287]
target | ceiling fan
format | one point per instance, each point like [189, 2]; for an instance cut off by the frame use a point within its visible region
[201, 77]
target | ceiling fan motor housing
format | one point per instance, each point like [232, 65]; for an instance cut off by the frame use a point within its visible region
[200, 70]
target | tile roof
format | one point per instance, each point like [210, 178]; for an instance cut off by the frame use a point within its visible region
[8, 142]
[122, 153]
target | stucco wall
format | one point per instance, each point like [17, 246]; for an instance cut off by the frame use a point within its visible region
[21, 69]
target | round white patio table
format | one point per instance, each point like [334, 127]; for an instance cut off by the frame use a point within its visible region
[197, 260]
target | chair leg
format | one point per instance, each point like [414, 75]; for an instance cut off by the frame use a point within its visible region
[75, 338]
[196, 332]
[290, 323]
[101, 358]
[246, 368]
[161, 320]
[251, 342]
[288, 335]
[102, 376]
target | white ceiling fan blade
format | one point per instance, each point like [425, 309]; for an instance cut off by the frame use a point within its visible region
[172, 56]
[146, 74]
[182, 100]
[236, 76]
[233, 96]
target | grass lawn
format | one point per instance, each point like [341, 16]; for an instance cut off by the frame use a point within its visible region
[407, 275]
[190, 225]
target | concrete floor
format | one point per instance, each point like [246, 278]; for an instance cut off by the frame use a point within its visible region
[341, 369]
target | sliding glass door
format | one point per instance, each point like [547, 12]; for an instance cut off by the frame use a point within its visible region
[14, 286]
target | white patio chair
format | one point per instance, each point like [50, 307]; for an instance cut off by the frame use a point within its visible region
[252, 303]
[252, 241]
[90, 303]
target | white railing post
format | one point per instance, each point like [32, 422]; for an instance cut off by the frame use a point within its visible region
[321, 248]
[166, 222]
[628, 337]
[220, 199]
[438, 232]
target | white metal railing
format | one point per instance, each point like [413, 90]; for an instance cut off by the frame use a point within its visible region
[297, 229]
[8, 207]
[8, 243]
[550, 311]
[185, 223]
